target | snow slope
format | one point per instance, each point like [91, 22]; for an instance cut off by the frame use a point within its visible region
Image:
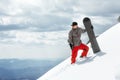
[105, 65]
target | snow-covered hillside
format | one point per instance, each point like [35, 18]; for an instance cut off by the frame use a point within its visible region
[105, 65]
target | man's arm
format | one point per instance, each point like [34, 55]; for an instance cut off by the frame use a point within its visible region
[83, 30]
[70, 41]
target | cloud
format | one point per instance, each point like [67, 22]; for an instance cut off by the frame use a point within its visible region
[97, 8]
[45, 23]
[44, 38]
[35, 16]
[34, 45]
[11, 27]
[53, 15]
[49, 23]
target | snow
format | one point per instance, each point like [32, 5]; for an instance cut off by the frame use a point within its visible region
[104, 65]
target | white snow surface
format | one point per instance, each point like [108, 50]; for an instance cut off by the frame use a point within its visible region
[104, 65]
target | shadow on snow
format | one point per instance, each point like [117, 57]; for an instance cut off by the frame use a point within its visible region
[91, 58]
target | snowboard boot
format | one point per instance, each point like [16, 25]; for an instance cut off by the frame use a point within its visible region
[83, 56]
[73, 61]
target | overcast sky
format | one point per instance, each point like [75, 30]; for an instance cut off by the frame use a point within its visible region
[38, 29]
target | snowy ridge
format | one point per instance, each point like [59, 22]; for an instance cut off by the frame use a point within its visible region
[103, 66]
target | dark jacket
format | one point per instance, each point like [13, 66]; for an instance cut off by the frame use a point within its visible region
[75, 35]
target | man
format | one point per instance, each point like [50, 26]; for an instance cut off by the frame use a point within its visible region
[76, 43]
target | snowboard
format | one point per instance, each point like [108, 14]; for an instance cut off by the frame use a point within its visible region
[89, 28]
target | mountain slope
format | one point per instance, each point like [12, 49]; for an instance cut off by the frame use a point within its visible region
[103, 66]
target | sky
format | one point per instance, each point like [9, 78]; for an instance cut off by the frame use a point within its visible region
[38, 29]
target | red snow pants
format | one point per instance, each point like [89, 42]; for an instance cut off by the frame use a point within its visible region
[75, 49]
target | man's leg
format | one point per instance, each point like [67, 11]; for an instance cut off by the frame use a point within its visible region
[74, 54]
[85, 49]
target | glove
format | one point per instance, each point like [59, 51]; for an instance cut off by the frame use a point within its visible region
[71, 46]
[91, 27]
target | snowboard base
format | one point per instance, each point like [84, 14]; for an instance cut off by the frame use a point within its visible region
[89, 28]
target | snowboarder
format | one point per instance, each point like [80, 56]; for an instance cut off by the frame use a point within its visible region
[76, 43]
